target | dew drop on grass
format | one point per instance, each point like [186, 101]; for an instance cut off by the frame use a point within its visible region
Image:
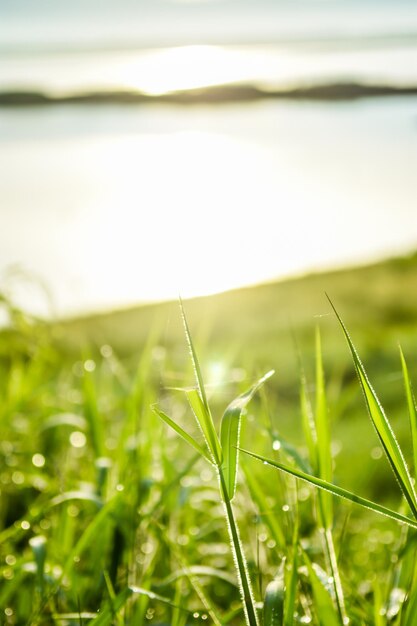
[204, 616]
[77, 439]
[196, 615]
[276, 445]
[8, 611]
[285, 508]
[106, 351]
[10, 559]
[89, 365]
[38, 460]
[18, 478]
[25, 525]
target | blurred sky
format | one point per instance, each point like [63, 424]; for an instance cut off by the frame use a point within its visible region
[112, 205]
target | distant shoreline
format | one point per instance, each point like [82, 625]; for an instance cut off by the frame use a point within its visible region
[218, 94]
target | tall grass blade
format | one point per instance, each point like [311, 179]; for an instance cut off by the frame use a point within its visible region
[307, 419]
[230, 434]
[323, 436]
[382, 426]
[194, 359]
[411, 403]
[181, 432]
[336, 490]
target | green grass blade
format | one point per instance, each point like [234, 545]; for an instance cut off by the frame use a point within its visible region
[291, 577]
[336, 490]
[411, 403]
[194, 359]
[307, 419]
[230, 434]
[274, 603]
[323, 436]
[382, 426]
[181, 432]
[323, 603]
[206, 424]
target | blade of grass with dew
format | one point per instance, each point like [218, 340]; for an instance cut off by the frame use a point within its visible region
[335, 490]
[382, 425]
[181, 432]
[230, 433]
[323, 603]
[411, 403]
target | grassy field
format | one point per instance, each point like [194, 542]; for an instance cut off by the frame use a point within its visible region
[123, 498]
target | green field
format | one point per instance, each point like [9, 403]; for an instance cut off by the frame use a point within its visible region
[108, 516]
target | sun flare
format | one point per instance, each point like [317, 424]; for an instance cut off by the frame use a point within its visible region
[185, 67]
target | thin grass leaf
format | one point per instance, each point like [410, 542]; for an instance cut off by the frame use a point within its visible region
[411, 403]
[194, 359]
[335, 490]
[291, 576]
[323, 453]
[181, 432]
[323, 603]
[230, 434]
[382, 426]
[307, 419]
[205, 422]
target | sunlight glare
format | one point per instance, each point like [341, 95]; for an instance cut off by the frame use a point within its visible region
[185, 67]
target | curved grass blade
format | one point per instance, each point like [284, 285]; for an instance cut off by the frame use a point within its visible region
[336, 490]
[230, 434]
[382, 426]
[181, 432]
[411, 403]
[194, 359]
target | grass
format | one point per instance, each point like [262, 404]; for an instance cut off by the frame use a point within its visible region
[238, 498]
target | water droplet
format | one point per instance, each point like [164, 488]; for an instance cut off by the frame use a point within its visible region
[8, 611]
[196, 615]
[89, 365]
[38, 460]
[276, 445]
[77, 439]
[265, 462]
[285, 508]
[106, 351]
[25, 525]
[10, 559]
[18, 478]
